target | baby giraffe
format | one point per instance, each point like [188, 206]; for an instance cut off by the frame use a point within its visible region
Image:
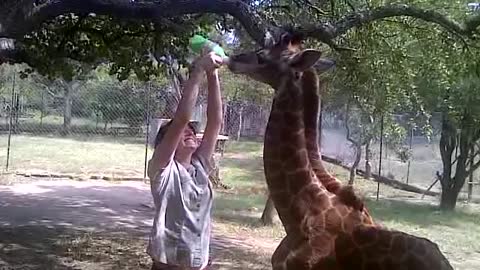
[327, 228]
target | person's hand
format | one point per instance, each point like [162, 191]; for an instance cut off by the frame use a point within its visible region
[209, 62]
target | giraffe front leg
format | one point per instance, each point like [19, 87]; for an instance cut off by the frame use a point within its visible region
[292, 253]
[280, 254]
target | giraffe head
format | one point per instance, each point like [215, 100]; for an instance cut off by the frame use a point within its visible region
[282, 56]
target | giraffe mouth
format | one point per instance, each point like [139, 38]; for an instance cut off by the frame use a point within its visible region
[238, 67]
[242, 63]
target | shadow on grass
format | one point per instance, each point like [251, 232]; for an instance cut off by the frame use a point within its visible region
[73, 227]
[62, 248]
[91, 227]
[419, 214]
[234, 254]
[42, 247]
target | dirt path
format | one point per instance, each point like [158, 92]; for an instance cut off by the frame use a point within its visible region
[93, 225]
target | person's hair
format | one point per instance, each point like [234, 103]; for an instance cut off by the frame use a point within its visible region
[163, 129]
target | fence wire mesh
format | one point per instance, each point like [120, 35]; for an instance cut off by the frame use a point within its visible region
[104, 129]
[414, 160]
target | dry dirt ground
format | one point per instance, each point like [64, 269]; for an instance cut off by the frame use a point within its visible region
[82, 225]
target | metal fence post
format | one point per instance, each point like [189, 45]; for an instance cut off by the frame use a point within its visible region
[10, 123]
[147, 119]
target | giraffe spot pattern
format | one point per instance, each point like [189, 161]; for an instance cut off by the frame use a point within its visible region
[297, 161]
[281, 199]
[298, 180]
[333, 220]
[303, 200]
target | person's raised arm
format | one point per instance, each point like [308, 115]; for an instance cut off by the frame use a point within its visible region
[165, 150]
[214, 116]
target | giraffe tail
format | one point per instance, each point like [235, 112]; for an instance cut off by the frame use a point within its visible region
[346, 194]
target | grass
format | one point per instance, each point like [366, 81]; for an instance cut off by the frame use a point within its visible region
[75, 155]
[236, 212]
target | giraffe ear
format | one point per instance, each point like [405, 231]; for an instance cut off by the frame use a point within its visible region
[305, 59]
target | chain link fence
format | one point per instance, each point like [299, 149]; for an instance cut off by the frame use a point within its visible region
[99, 129]
[104, 129]
[414, 160]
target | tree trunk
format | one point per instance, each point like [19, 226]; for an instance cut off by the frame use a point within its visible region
[470, 176]
[353, 169]
[368, 164]
[42, 110]
[448, 199]
[225, 119]
[356, 143]
[410, 149]
[449, 141]
[96, 121]
[67, 111]
[268, 212]
[240, 123]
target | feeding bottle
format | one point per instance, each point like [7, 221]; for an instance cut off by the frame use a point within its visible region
[201, 45]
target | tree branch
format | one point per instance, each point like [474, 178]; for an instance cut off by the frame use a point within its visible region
[29, 17]
[329, 31]
[20, 17]
[474, 167]
[309, 4]
[351, 5]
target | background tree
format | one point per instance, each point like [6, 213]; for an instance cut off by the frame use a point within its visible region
[51, 35]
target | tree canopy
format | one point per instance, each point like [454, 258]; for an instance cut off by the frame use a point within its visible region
[49, 35]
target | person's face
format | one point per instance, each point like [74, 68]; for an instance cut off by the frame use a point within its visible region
[188, 142]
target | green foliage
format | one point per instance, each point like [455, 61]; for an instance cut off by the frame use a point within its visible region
[59, 46]
[240, 88]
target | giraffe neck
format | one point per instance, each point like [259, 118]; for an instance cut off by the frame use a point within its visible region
[286, 163]
[311, 89]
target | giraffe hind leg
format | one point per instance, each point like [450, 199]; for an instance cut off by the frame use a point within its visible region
[298, 254]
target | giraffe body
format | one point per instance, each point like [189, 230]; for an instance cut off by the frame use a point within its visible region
[327, 226]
